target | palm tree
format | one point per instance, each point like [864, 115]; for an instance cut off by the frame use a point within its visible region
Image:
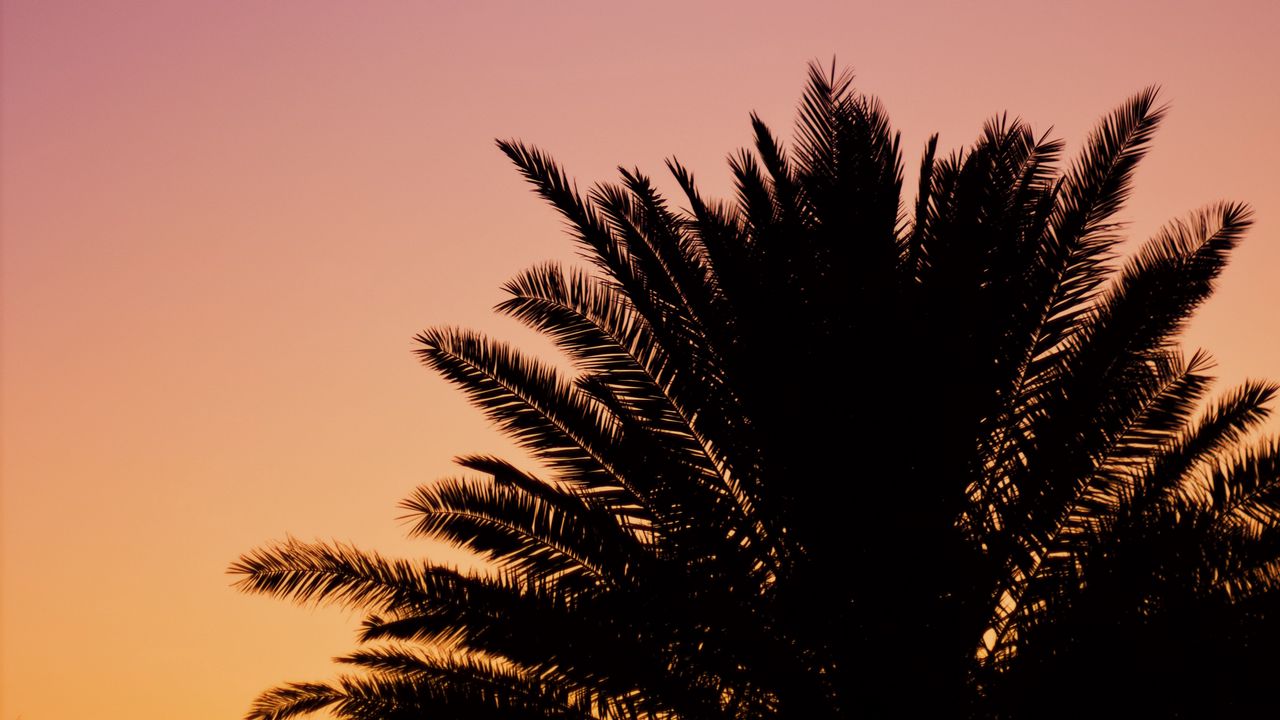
[827, 455]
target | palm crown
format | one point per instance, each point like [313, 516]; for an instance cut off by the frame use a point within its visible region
[829, 455]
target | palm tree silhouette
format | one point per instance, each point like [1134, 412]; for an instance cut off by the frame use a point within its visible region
[827, 455]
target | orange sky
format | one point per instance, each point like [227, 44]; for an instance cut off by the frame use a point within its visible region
[223, 221]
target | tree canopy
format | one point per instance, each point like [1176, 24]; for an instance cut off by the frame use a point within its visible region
[825, 453]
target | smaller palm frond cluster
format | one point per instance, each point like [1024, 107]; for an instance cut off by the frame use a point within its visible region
[826, 454]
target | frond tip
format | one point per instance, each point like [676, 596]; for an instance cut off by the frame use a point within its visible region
[314, 573]
[293, 700]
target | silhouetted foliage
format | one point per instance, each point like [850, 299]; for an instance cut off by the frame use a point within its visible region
[829, 455]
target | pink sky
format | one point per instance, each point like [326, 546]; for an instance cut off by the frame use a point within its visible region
[222, 223]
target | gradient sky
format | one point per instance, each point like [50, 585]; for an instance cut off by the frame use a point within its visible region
[223, 221]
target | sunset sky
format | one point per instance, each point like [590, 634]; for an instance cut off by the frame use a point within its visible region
[222, 223]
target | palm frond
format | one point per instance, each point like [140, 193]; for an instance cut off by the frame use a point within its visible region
[924, 197]
[528, 533]
[584, 221]
[1075, 255]
[294, 699]
[1245, 494]
[538, 410]
[474, 680]
[1225, 421]
[333, 573]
